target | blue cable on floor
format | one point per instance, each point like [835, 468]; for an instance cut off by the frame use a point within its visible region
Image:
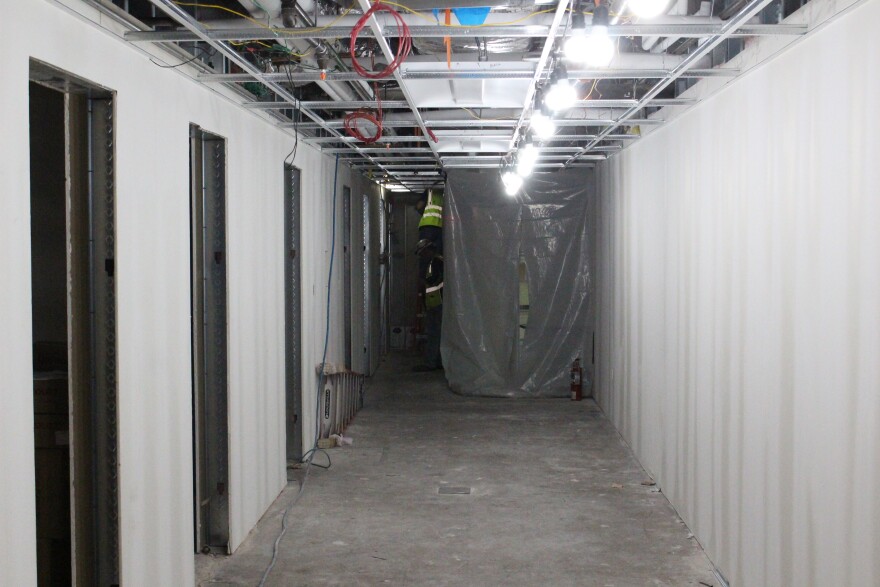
[309, 456]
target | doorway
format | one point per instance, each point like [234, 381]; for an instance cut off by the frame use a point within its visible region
[73, 261]
[292, 314]
[209, 336]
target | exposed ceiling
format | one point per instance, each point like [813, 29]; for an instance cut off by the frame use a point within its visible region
[466, 95]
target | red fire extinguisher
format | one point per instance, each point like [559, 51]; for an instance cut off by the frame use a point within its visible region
[576, 379]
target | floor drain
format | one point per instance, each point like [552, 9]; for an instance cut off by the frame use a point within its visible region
[447, 490]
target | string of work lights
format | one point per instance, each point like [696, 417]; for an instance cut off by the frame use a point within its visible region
[595, 50]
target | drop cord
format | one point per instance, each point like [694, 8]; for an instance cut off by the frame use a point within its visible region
[310, 455]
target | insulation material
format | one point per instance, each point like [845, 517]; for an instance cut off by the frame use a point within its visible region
[502, 253]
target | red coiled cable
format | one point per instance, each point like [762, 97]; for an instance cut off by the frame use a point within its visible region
[351, 121]
[404, 44]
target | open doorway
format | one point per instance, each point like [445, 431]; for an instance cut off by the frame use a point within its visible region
[74, 329]
[209, 335]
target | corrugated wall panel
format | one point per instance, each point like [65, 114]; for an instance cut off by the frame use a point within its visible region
[740, 312]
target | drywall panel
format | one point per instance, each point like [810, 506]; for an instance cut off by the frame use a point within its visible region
[739, 329]
[155, 107]
[17, 510]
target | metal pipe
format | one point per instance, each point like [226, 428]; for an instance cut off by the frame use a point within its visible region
[289, 16]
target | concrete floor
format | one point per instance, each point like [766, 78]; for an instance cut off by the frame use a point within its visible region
[555, 498]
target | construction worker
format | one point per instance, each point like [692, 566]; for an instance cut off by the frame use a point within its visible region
[431, 224]
[432, 282]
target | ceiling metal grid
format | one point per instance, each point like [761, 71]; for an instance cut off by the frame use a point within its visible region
[443, 113]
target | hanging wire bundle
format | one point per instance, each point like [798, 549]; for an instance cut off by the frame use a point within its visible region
[352, 119]
[404, 44]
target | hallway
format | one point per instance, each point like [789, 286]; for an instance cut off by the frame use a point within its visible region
[555, 498]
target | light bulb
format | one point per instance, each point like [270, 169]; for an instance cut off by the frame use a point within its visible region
[598, 48]
[526, 159]
[512, 182]
[561, 96]
[648, 8]
[576, 45]
[543, 125]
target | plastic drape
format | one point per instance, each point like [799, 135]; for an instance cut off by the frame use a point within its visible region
[493, 242]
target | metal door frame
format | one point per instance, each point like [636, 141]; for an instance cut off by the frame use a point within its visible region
[346, 272]
[209, 341]
[293, 313]
[98, 558]
[367, 284]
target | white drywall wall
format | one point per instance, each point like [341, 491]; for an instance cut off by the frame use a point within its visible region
[739, 323]
[154, 110]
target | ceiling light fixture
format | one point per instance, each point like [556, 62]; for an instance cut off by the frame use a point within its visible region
[648, 8]
[576, 45]
[599, 48]
[512, 183]
[542, 125]
[562, 94]
[526, 159]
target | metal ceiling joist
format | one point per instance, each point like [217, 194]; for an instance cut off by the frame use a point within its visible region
[473, 74]
[727, 29]
[439, 31]
[401, 104]
[467, 137]
[186, 20]
[376, 150]
[401, 166]
[497, 159]
[471, 123]
[538, 166]
[330, 105]
[390, 160]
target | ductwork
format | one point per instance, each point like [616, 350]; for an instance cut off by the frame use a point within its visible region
[286, 13]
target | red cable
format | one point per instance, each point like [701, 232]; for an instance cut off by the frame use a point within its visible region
[351, 121]
[404, 45]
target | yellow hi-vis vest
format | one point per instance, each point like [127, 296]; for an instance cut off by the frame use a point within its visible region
[433, 214]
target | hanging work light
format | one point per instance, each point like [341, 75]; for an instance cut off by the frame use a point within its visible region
[542, 122]
[526, 159]
[542, 125]
[562, 94]
[600, 47]
[648, 8]
[512, 183]
[576, 45]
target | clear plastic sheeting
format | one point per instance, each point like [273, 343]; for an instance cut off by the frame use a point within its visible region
[517, 305]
